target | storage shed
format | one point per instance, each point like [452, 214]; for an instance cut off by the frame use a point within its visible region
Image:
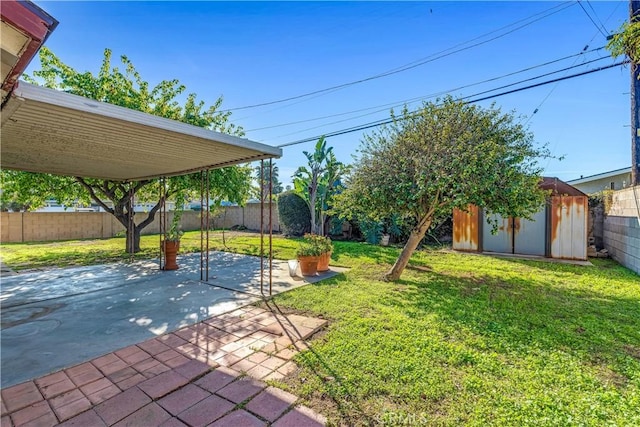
[557, 230]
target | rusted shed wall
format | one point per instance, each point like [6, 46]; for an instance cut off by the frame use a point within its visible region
[569, 227]
[466, 227]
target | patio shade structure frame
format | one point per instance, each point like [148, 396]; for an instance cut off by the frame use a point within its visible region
[49, 131]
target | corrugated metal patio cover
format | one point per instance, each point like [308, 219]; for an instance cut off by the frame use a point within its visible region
[45, 130]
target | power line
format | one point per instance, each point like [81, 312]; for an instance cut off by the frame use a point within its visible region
[404, 101]
[388, 121]
[475, 94]
[591, 19]
[554, 87]
[417, 63]
[596, 15]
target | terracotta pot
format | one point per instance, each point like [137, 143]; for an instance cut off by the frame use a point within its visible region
[170, 254]
[323, 261]
[308, 265]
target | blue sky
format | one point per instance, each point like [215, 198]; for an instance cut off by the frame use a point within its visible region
[257, 52]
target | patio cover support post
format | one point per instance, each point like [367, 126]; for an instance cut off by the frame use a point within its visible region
[270, 226]
[131, 225]
[163, 220]
[201, 225]
[261, 227]
[208, 214]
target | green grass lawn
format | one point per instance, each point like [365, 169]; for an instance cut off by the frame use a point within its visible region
[20, 256]
[460, 340]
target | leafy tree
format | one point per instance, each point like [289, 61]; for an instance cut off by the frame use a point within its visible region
[126, 88]
[444, 156]
[317, 182]
[275, 181]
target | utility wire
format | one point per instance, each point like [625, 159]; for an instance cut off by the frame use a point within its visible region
[417, 63]
[462, 98]
[591, 19]
[596, 15]
[404, 101]
[585, 48]
[388, 121]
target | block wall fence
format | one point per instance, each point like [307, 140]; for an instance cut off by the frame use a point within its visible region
[621, 228]
[16, 227]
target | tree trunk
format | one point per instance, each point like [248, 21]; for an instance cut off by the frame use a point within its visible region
[312, 210]
[109, 190]
[133, 244]
[417, 234]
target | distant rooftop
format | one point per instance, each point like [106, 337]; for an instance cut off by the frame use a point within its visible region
[602, 175]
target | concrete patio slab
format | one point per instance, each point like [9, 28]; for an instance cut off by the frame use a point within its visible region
[61, 317]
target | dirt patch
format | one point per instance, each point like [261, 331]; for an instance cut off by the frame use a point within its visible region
[609, 376]
[633, 351]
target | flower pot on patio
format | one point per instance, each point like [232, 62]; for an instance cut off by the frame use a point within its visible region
[312, 248]
[170, 248]
[323, 261]
[308, 264]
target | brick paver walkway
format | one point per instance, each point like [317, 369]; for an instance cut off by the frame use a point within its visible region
[209, 374]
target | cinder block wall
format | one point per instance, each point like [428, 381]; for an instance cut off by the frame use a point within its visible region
[249, 216]
[622, 228]
[16, 227]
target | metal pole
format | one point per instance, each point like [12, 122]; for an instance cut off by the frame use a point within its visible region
[162, 220]
[261, 226]
[634, 14]
[132, 225]
[207, 222]
[201, 225]
[270, 226]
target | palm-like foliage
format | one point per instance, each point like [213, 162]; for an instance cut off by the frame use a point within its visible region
[317, 182]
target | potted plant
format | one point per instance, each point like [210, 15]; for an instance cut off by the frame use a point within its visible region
[171, 242]
[327, 247]
[308, 255]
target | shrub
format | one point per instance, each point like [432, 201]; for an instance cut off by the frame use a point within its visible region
[293, 214]
[371, 231]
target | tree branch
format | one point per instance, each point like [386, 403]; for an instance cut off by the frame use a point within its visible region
[93, 195]
[108, 191]
[151, 215]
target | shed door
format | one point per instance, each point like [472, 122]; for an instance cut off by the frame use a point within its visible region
[501, 241]
[516, 235]
[569, 227]
[530, 235]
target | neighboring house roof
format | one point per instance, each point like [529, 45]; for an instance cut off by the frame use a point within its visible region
[45, 130]
[602, 175]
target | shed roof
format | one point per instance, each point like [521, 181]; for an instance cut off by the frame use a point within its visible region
[45, 130]
[559, 188]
